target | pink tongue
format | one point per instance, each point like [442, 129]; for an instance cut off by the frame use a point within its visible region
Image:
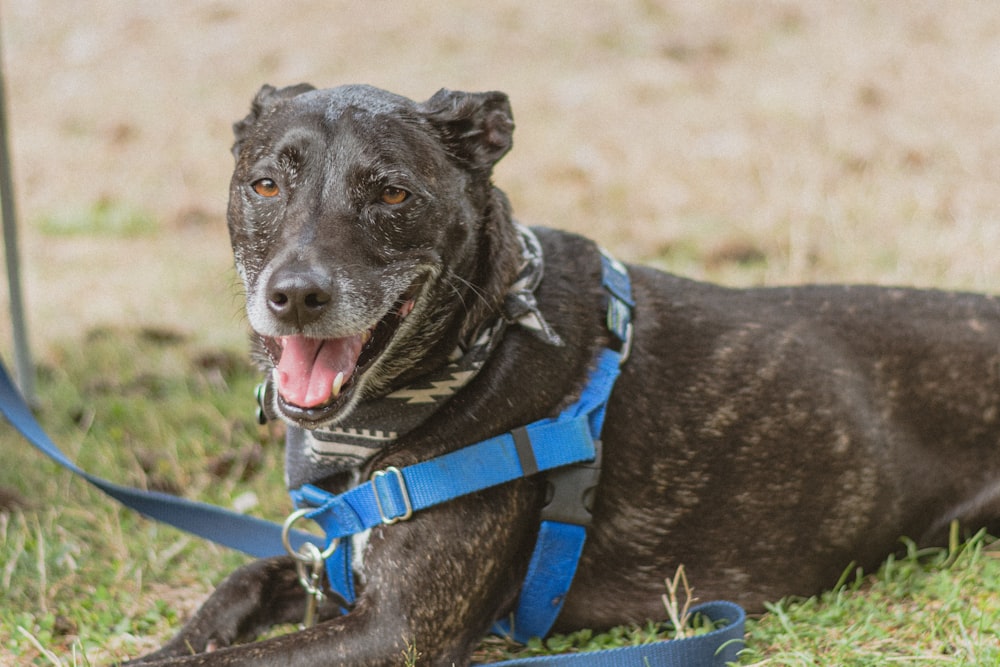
[308, 367]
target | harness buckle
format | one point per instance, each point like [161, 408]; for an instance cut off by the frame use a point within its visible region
[571, 491]
[403, 492]
[626, 349]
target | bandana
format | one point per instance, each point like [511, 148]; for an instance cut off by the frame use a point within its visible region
[312, 455]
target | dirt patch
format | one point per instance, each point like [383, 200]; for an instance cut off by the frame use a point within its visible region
[836, 141]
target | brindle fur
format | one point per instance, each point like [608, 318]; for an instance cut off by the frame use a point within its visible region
[765, 438]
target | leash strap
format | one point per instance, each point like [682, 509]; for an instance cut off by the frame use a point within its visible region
[251, 535]
[718, 647]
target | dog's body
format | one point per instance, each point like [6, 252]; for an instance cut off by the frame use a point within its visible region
[764, 438]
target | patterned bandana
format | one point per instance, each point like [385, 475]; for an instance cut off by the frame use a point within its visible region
[316, 454]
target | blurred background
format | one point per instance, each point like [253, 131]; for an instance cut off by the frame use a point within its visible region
[749, 143]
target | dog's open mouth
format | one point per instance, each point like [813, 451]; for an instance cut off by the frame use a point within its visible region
[314, 377]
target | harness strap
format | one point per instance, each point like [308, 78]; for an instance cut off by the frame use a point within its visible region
[565, 518]
[394, 494]
[567, 515]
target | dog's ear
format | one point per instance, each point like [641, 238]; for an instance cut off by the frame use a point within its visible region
[267, 97]
[477, 127]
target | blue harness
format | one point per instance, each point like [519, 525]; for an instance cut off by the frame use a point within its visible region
[567, 446]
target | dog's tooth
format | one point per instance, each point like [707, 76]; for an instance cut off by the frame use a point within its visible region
[338, 384]
[366, 336]
[406, 309]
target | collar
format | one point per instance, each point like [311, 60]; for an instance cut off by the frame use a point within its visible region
[312, 455]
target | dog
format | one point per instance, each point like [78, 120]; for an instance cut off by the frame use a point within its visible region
[765, 438]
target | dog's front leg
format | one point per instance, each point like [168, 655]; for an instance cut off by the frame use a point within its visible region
[249, 601]
[431, 587]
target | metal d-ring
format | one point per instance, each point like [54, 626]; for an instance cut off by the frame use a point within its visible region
[626, 351]
[304, 555]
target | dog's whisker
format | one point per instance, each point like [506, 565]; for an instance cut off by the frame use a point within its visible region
[474, 289]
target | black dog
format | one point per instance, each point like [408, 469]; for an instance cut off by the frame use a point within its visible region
[764, 438]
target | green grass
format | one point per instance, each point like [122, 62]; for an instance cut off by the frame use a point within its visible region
[147, 409]
[931, 607]
[104, 218]
[84, 581]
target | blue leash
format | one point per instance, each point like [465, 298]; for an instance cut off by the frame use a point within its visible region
[717, 647]
[251, 535]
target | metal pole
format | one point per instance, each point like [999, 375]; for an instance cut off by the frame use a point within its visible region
[23, 366]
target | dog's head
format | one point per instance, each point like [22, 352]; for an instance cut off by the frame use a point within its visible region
[367, 235]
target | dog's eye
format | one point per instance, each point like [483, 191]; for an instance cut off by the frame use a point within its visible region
[265, 187]
[393, 196]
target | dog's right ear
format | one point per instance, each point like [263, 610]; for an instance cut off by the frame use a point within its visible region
[267, 97]
[477, 127]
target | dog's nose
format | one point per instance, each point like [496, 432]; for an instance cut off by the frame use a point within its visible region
[298, 297]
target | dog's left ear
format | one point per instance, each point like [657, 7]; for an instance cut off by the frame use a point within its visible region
[477, 127]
